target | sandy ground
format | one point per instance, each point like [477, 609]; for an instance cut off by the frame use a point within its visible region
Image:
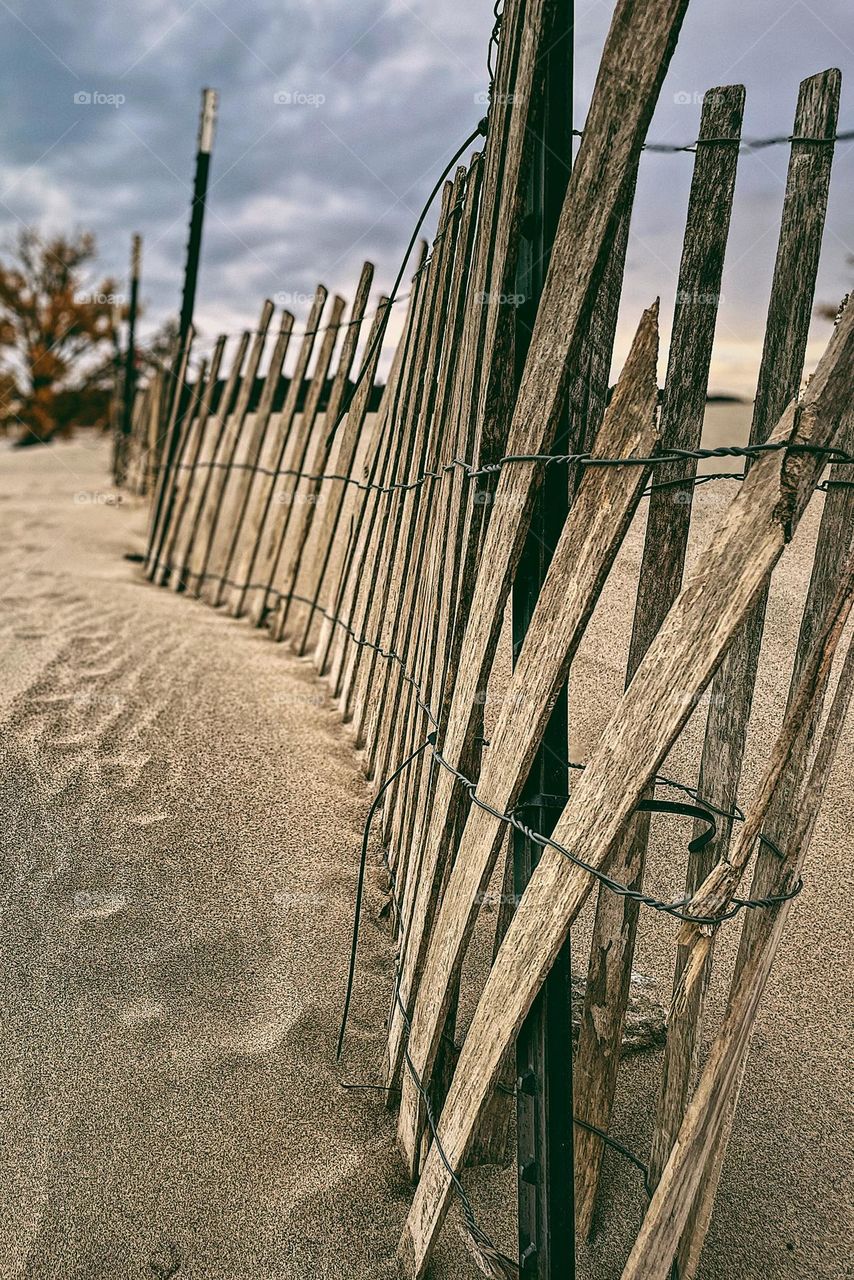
[183, 815]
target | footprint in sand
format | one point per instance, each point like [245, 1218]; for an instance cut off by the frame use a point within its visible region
[143, 1012]
[146, 819]
[93, 905]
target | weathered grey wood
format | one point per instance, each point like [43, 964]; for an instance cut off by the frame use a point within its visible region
[401, 553]
[151, 460]
[450, 532]
[338, 575]
[193, 576]
[171, 441]
[683, 409]
[218, 521]
[714, 1099]
[591, 537]
[209, 441]
[834, 545]
[318, 458]
[395, 507]
[486, 385]
[147, 462]
[267, 566]
[374, 512]
[185, 473]
[265, 487]
[635, 59]
[323, 551]
[241, 481]
[400, 734]
[716, 598]
[333, 640]
[781, 369]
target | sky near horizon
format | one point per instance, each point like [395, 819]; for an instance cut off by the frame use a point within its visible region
[334, 121]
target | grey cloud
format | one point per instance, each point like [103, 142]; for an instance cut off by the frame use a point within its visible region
[304, 192]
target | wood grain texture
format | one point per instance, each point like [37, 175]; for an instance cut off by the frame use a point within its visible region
[184, 526]
[715, 600]
[170, 441]
[197, 556]
[218, 522]
[260, 510]
[242, 481]
[396, 545]
[318, 457]
[834, 544]
[322, 559]
[185, 474]
[666, 539]
[200, 480]
[781, 370]
[280, 518]
[706, 1117]
[635, 59]
[331, 649]
[591, 536]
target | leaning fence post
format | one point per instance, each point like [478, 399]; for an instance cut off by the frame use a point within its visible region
[665, 543]
[780, 374]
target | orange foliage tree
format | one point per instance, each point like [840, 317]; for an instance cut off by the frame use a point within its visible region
[52, 323]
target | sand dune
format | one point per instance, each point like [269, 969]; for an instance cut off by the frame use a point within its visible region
[183, 815]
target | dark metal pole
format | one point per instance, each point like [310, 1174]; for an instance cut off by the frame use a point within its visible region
[130, 354]
[207, 123]
[544, 1046]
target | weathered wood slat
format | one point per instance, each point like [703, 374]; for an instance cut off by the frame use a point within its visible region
[185, 474]
[716, 598]
[193, 579]
[169, 443]
[293, 486]
[635, 59]
[834, 545]
[398, 735]
[591, 538]
[265, 487]
[395, 508]
[486, 388]
[219, 515]
[403, 556]
[706, 1117]
[241, 481]
[318, 457]
[323, 552]
[780, 373]
[354, 499]
[339, 575]
[154, 447]
[373, 514]
[666, 540]
[200, 479]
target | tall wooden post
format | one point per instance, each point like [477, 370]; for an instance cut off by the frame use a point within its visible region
[544, 1046]
[207, 122]
[130, 354]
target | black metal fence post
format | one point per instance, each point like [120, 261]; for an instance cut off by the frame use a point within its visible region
[207, 122]
[130, 354]
[544, 1046]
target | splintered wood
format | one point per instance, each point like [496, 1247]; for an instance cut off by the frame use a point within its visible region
[368, 503]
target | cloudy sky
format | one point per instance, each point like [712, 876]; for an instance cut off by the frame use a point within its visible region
[381, 94]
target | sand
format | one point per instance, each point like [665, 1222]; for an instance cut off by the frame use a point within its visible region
[183, 815]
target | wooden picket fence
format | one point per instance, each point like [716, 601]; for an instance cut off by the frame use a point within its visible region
[383, 544]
